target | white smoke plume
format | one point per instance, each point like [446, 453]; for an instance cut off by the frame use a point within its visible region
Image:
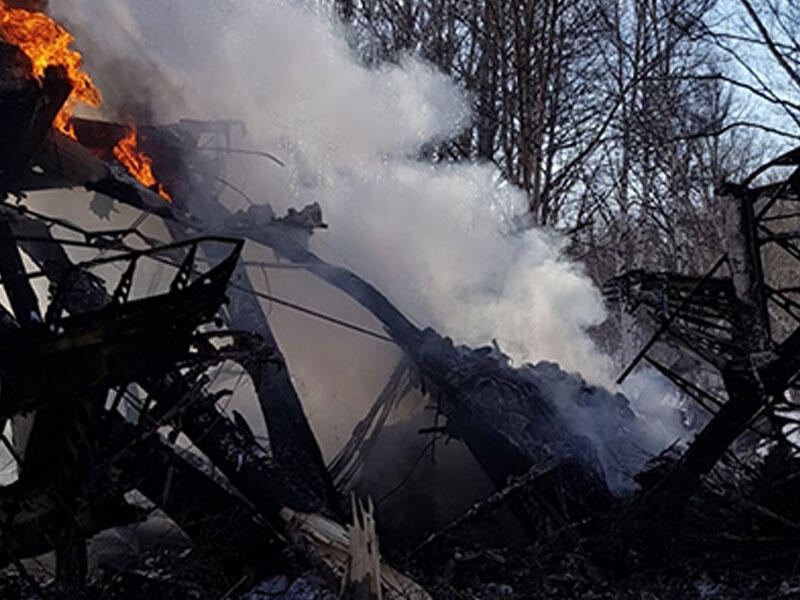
[438, 240]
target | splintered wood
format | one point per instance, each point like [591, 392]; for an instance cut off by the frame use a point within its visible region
[350, 554]
[364, 572]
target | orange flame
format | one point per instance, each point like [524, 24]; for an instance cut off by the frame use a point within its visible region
[137, 162]
[47, 43]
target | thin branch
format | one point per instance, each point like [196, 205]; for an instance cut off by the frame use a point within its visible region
[719, 131]
[771, 43]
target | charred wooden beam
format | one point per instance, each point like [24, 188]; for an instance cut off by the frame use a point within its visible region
[665, 291]
[501, 414]
[351, 457]
[63, 433]
[747, 272]
[751, 349]
[746, 393]
[27, 107]
[519, 489]
[72, 288]
[266, 482]
[275, 487]
[291, 439]
[259, 224]
[64, 163]
[502, 448]
[220, 522]
[457, 374]
[15, 280]
[46, 363]
[30, 522]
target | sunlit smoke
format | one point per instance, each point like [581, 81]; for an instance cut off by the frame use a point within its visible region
[442, 241]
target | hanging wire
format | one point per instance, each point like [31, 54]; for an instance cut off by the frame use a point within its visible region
[265, 274]
[261, 153]
[224, 182]
[315, 313]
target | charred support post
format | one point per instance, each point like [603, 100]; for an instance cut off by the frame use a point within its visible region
[25, 306]
[71, 561]
[291, 439]
[58, 459]
[15, 281]
[222, 524]
[744, 257]
[290, 435]
[746, 392]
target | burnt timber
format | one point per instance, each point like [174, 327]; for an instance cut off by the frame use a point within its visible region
[68, 368]
[252, 509]
[742, 325]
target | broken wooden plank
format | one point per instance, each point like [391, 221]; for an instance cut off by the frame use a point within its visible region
[326, 544]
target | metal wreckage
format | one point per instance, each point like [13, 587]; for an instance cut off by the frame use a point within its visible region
[101, 384]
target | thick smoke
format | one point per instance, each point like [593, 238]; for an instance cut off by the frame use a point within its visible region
[441, 241]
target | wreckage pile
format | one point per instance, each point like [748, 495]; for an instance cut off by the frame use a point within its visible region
[116, 421]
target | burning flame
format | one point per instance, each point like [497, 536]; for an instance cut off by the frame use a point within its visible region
[137, 162]
[47, 43]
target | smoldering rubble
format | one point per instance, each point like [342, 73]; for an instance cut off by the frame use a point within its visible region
[132, 479]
